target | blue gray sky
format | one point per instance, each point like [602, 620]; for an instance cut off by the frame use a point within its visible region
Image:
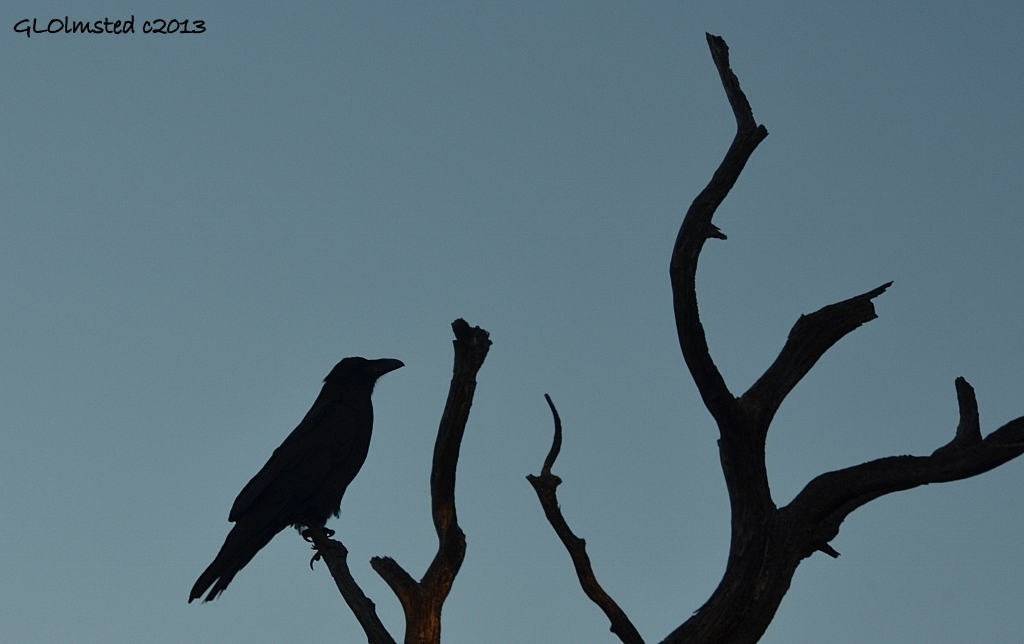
[195, 228]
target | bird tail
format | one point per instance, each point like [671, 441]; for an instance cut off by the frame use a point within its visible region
[241, 545]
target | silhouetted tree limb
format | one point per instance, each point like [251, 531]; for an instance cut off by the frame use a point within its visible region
[823, 504]
[968, 431]
[546, 486]
[422, 601]
[335, 555]
[697, 228]
[811, 337]
[767, 544]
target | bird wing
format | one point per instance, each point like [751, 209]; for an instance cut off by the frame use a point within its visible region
[300, 466]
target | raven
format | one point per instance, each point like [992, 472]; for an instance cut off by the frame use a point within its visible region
[305, 478]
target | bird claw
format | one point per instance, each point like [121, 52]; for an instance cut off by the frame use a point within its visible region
[309, 538]
[306, 535]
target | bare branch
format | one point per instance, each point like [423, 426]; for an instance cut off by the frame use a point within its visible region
[471, 346]
[827, 500]
[737, 99]
[696, 228]
[335, 555]
[422, 601]
[768, 544]
[406, 588]
[546, 486]
[400, 581]
[968, 431]
[556, 444]
[811, 337]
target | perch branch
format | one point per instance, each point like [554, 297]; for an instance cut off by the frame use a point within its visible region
[546, 486]
[335, 555]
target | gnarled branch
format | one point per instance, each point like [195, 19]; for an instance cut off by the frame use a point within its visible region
[767, 544]
[823, 504]
[546, 486]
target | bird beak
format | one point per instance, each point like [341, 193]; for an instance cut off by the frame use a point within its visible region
[378, 368]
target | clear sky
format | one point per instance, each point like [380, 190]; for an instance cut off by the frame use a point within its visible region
[195, 228]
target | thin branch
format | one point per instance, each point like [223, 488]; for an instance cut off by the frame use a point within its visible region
[811, 337]
[422, 601]
[335, 555]
[546, 486]
[401, 582]
[737, 99]
[826, 501]
[471, 346]
[696, 228]
[556, 443]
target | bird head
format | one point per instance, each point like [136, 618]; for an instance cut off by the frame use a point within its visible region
[359, 372]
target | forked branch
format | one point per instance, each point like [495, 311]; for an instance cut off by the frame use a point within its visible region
[768, 544]
[422, 601]
[827, 500]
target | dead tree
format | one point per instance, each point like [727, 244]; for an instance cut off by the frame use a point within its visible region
[422, 600]
[767, 542]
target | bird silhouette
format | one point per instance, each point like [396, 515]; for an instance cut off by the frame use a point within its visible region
[305, 478]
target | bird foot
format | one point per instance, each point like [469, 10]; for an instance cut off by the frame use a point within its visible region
[305, 534]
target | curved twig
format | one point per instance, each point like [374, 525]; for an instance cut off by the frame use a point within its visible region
[546, 486]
